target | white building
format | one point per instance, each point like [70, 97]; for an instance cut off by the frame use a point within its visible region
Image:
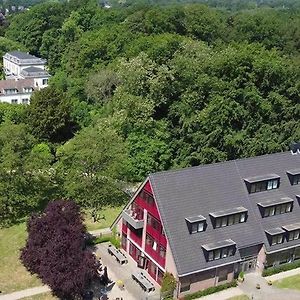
[24, 74]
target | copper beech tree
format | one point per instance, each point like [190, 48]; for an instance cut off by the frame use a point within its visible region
[55, 250]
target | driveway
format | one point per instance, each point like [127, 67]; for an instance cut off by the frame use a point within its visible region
[123, 272]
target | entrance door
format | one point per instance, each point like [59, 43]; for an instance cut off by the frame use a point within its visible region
[249, 265]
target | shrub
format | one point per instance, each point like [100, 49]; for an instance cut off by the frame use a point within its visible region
[168, 286]
[281, 268]
[211, 290]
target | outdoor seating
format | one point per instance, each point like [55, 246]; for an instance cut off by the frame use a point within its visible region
[143, 281]
[120, 257]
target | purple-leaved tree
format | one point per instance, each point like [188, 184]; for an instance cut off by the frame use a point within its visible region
[55, 250]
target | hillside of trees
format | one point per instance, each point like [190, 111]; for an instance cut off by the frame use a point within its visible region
[142, 89]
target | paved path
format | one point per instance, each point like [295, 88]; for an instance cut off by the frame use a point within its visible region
[123, 272]
[223, 295]
[25, 293]
[266, 291]
[98, 232]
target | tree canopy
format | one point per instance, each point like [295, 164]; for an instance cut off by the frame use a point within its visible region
[55, 250]
[146, 87]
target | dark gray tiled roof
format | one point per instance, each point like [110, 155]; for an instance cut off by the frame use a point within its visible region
[209, 188]
[229, 211]
[274, 231]
[22, 55]
[195, 219]
[294, 171]
[275, 201]
[217, 245]
[291, 227]
[261, 178]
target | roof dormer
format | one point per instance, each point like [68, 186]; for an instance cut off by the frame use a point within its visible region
[229, 217]
[262, 183]
[294, 176]
[196, 224]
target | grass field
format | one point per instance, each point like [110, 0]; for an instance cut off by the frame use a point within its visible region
[13, 276]
[292, 282]
[45, 296]
[241, 297]
[108, 215]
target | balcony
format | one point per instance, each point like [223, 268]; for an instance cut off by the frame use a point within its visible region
[135, 220]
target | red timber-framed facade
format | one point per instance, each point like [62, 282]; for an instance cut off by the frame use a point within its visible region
[142, 233]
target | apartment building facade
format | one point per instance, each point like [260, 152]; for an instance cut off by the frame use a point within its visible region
[24, 74]
[206, 224]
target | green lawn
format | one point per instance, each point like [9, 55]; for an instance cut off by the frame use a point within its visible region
[292, 282]
[108, 215]
[241, 297]
[45, 296]
[13, 276]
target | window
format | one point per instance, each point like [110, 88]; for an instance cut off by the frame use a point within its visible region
[27, 90]
[184, 287]
[151, 242]
[264, 185]
[221, 253]
[197, 227]
[294, 235]
[154, 223]
[10, 91]
[277, 239]
[45, 81]
[162, 251]
[147, 197]
[296, 179]
[14, 101]
[230, 220]
[25, 101]
[277, 209]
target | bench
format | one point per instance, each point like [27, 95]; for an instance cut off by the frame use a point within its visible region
[143, 281]
[120, 257]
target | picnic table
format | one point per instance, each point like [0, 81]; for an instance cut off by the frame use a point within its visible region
[120, 257]
[143, 281]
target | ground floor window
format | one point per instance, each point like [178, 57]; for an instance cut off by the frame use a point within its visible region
[124, 241]
[185, 287]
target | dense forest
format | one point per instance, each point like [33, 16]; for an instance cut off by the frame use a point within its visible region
[141, 89]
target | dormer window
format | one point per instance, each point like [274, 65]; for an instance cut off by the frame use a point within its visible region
[219, 250]
[229, 217]
[275, 235]
[274, 207]
[262, 183]
[294, 176]
[293, 231]
[196, 224]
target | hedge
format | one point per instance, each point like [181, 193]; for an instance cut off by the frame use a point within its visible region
[104, 239]
[211, 290]
[281, 268]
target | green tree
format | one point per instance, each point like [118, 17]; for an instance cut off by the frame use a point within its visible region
[91, 165]
[49, 115]
[27, 182]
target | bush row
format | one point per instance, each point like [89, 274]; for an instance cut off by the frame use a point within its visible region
[104, 239]
[281, 268]
[211, 290]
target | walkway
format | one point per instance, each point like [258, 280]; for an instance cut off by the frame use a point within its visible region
[224, 295]
[99, 232]
[25, 293]
[267, 291]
